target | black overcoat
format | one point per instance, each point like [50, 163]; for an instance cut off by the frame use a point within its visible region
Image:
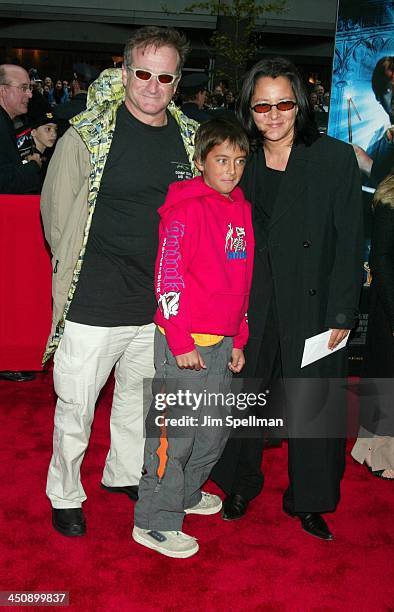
[379, 354]
[377, 407]
[314, 246]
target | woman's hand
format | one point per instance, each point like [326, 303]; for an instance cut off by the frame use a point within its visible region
[337, 335]
[237, 360]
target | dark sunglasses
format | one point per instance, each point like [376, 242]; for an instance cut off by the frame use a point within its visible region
[264, 107]
[165, 78]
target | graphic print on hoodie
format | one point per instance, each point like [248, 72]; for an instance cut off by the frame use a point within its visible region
[204, 264]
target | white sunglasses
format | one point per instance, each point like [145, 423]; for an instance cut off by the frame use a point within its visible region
[164, 78]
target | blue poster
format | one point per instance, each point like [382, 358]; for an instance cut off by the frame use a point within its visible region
[362, 101]
[362, 114]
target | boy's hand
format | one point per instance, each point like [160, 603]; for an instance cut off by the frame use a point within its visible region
[237, 360]
[190, 361]
[34, 157]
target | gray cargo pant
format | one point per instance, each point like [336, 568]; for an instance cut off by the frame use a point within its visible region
[193, 449]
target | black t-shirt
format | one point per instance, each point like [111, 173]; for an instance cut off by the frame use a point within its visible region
[117, 276]
[267, 192]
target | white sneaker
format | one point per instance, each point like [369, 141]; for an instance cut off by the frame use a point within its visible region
[170, 543]
[209, 504]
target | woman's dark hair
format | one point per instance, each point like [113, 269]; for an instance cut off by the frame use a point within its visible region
[215, 132]
[306, 130]
[58, 93]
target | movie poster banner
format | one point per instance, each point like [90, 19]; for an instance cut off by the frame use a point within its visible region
[362, 111]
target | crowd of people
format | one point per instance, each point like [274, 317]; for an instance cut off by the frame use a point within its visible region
[320, 99]
[187, 247]
[55, 92]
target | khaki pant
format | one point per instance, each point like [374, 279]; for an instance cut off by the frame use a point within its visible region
[83, 362]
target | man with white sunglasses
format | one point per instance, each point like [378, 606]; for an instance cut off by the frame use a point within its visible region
[106, 180]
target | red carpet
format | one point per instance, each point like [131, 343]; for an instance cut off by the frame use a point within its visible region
[263, 562]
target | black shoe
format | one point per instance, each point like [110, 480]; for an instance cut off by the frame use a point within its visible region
[130, 490]
[69, 521]
[17, 376]
[234, 507]
[313, 523]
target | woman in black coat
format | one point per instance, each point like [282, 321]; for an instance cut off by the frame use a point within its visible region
[377, 451]
[306, 197]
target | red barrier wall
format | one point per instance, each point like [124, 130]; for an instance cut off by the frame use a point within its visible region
[25, 284]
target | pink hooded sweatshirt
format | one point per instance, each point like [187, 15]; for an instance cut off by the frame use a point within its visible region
[204, 264]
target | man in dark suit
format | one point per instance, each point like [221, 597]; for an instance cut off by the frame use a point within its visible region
[194, 92]
[15, 93]
[84, 75]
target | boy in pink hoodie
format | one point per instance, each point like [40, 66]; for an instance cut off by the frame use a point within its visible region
[202, 282]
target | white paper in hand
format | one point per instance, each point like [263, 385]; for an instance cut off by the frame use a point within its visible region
[316, 348]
